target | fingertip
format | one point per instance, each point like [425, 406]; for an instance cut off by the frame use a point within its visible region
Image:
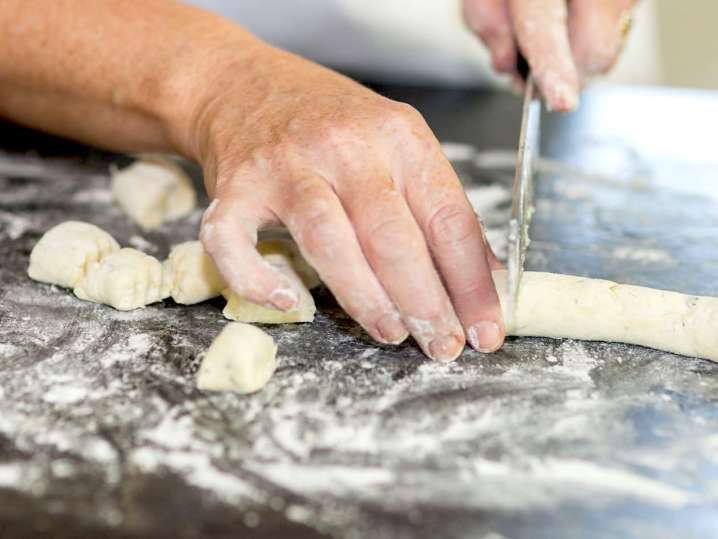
[391, 330]
[560, 95]
[485, 336]
[284, 298]
[446, 348]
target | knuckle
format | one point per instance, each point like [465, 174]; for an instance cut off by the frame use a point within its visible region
[316, 226]
[392, 240]
[404, 118]
[452, 225]
[318, 232]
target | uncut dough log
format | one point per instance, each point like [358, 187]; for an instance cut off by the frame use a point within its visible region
[552, 305]
[153, 190]
[241, 310]
[192, 275]
[64, 253]
[242, 358]
[127, 279]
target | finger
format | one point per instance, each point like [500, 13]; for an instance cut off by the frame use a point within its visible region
[459, 249]
[596, 33]
[229, 234]
[541, 30]
[395, 248]
[491, 21]
[314, 216]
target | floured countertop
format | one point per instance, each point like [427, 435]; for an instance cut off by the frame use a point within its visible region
[102, 432]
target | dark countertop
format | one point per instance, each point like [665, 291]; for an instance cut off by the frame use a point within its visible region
[102, 432]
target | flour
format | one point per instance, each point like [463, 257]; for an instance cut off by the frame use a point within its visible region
[102, 196]
[10, 475]
[65, 394]
[91, 396]
[141, 244]
[15, 225]
[7, 350]
[642, 254]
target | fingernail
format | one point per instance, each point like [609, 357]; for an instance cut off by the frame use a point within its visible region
[445, 348]
[484, 336]
[564, 97]
[392, 329]
[284, 299]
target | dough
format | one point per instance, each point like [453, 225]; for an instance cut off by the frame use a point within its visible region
[127, 279]
[153, 190]
[242, 310]
[241, 358]
[285, 251]
[192, 275]
[551, 305]
[64, 252]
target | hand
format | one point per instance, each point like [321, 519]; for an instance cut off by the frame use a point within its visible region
[562, 43]
[362, 185]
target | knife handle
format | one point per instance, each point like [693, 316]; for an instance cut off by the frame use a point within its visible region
[522, 66]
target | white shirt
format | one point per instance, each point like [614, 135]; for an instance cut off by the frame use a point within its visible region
[407, 41]
[411, 41]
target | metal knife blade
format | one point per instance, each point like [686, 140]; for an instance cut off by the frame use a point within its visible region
[521, 205]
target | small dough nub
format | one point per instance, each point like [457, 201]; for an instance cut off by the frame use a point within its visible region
[153, 190]
[127, 279]
[192, 275]
[64, 253]
[282, 251]
[242, 358]
[241, 310]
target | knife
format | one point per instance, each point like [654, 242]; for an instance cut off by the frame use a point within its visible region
[521, 200]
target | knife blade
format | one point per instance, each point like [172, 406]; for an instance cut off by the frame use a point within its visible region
[522, 196]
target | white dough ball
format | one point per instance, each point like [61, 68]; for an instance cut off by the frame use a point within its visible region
[241, 358]
[127, 279]
[192, 275]
[152, 191]
[64, 253]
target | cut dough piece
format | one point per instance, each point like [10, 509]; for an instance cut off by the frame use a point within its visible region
[127, 279]
[241, 358]
[192, 275]
[551, 305]
[285, 252]
[241, 310]
[153, 190]
[64, 252]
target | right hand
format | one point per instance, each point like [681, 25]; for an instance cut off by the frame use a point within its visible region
[564, 42]
[362, 185]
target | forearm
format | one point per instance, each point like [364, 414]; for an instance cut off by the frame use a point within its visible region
[121, 74]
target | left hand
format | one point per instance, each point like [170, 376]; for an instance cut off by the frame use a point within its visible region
[563, 42]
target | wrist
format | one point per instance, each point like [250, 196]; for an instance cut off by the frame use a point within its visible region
[199, 79]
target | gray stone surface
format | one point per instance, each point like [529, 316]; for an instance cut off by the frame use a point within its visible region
[102, 432]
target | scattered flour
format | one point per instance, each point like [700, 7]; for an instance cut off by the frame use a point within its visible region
[15, 225]
[141, 244]
[642, 254]
[65, 394]
[97, 195]
[10, 475]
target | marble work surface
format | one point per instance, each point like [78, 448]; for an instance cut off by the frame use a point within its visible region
[102, 432]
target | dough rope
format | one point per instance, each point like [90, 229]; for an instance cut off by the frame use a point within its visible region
[565, 306]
